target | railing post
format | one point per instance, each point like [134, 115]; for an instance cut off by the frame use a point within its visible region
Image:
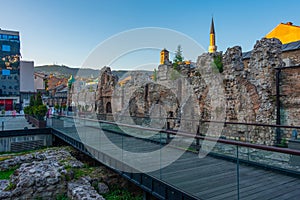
[198, 134]
[238, 172]
[278, 132]
[2, 125]
[167, 128]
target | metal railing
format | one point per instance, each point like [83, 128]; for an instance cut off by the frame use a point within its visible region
[92, 131]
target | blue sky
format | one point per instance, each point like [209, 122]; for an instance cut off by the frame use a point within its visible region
[66, 31]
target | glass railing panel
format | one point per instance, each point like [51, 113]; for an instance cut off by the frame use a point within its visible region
[220, 166]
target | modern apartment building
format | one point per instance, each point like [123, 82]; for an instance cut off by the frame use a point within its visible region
[9, 69]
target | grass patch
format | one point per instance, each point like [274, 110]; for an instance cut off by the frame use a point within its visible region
[80, 172]
[62, 197]
[10, 186]
[5, 175]
[20, 153]
[117, 194]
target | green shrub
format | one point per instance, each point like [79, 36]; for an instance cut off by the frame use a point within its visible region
[155, 75]
[32, 101]
[283, 142]
[28, 110]
[62, 197]
[38, 101]
[5, 175]
[64, 107]
[218, 63]
[117, 193]
[40, 111]
[57, 107]
[10, 186]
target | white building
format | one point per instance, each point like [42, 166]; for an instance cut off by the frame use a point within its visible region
[39, 82]
[26, 76]
[26, 81]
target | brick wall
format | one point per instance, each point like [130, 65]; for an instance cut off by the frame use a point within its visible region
[290, 96]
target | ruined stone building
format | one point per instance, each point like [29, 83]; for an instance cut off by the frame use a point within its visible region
[231, 86]
[106, 84]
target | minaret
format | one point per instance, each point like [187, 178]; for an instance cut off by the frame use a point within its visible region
[212, 39]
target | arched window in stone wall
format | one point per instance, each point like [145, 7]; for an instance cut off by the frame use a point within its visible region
[171, 114]
[108, 107]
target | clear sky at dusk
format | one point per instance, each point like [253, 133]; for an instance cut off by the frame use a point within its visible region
[66, 31]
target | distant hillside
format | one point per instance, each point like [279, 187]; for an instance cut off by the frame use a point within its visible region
[65, 71]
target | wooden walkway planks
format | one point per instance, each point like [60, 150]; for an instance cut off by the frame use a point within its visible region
[208, 178]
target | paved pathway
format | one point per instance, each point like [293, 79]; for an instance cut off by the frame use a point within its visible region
[14, 123]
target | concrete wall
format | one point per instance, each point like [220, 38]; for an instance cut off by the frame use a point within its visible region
[21, 143]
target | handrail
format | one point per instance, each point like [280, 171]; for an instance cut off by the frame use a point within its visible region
[17, 115]
[211, 121]
[187, 134]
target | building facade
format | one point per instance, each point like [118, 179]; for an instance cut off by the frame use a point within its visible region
[10, 69]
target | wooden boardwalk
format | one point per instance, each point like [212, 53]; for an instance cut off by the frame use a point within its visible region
[206, 178]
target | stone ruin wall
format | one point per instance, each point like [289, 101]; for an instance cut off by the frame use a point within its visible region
[107, 81]
[290, 96]
[249, 92]
[294, 56]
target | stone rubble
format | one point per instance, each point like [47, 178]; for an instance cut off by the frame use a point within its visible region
[102, 188]
[40, 156]
[44, 175]
[81, 189]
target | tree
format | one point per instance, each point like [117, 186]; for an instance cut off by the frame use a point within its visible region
[40, 111]
[32, 101]
[56, 107]
[178, 58]
[64, 106]
[38, 100]
[155, 75]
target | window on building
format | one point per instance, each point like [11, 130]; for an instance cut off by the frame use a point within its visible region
[5, 72]
[6, 48]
